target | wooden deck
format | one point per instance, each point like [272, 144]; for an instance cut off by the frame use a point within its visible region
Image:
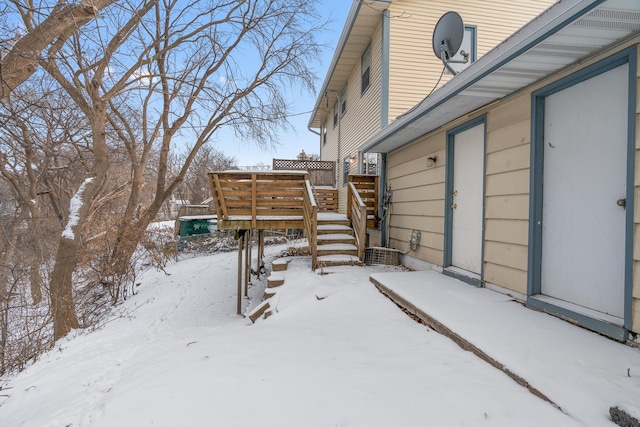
[259, 200]
[274, 200]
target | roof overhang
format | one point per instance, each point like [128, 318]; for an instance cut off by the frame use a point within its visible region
[564, 34]
[362, 22]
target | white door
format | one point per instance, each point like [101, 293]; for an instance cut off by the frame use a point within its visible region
[583, 228]
[468, 174]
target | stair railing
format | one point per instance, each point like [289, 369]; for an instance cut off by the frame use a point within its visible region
[367, 187]
[357, 213]
[310, 215]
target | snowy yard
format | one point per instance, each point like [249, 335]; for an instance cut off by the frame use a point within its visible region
[337, 353]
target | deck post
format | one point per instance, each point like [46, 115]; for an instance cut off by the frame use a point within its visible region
[260, 252]
[247, 264]
[239, 303]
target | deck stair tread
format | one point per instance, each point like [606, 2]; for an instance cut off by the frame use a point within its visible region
[325, 227]
[338, 259]
[331, 216]
[344, 238]
[335, 242]
[337, 247]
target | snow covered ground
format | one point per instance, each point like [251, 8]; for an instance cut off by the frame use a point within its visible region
[336, 353]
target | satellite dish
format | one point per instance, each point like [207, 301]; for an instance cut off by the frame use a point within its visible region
[447, 38]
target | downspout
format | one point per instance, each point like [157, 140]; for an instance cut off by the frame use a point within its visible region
[339, 122]
[320, 135]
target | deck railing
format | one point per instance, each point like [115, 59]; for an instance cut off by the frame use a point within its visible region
[310, 209]
[266, 200]
[367, 188]
[321, 172]
[357, 213]
[327, 198]
[258, 200]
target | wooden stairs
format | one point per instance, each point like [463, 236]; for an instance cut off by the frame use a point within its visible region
[335, 242]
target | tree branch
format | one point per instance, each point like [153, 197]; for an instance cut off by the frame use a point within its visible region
[22, 60]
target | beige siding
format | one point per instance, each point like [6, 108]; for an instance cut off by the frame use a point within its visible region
[507, 231]
[418, 198]
[506, 255]
[507, 194]
[360, 121]
[516, 278]
[414, 69]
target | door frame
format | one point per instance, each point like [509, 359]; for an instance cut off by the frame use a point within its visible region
[534, 286]
[448, 199]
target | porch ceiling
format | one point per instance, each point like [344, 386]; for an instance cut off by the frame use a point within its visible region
[565, 34]
[356, 35]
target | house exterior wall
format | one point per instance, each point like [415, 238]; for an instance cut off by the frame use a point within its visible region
[419, 192]
[507, 194]
[418, 197]
[359, 122]
[414, 69]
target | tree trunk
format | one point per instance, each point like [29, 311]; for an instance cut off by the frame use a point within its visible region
[129, 235]
[62, 304]
[61, 286]
[35, 280]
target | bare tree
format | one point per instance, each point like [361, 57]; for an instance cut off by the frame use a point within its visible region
[42, 157]
[156, 75]
[86, 84]
[208, 159]
[235, 58]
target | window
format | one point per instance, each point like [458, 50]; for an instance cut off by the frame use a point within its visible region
[335, 114]
[365, 69]
[343, 98]
[323, 133]
[469, 42]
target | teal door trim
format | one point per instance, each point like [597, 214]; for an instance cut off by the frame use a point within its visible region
[627, 56]
[448, 198]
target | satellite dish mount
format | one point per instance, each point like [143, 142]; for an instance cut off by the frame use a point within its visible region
[447, 39]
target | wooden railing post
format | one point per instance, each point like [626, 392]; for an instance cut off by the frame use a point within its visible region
[358, 215]
[311, 222]
[367, 187]
[349, 196]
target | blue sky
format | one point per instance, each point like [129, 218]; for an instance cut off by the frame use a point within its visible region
[292, 142]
